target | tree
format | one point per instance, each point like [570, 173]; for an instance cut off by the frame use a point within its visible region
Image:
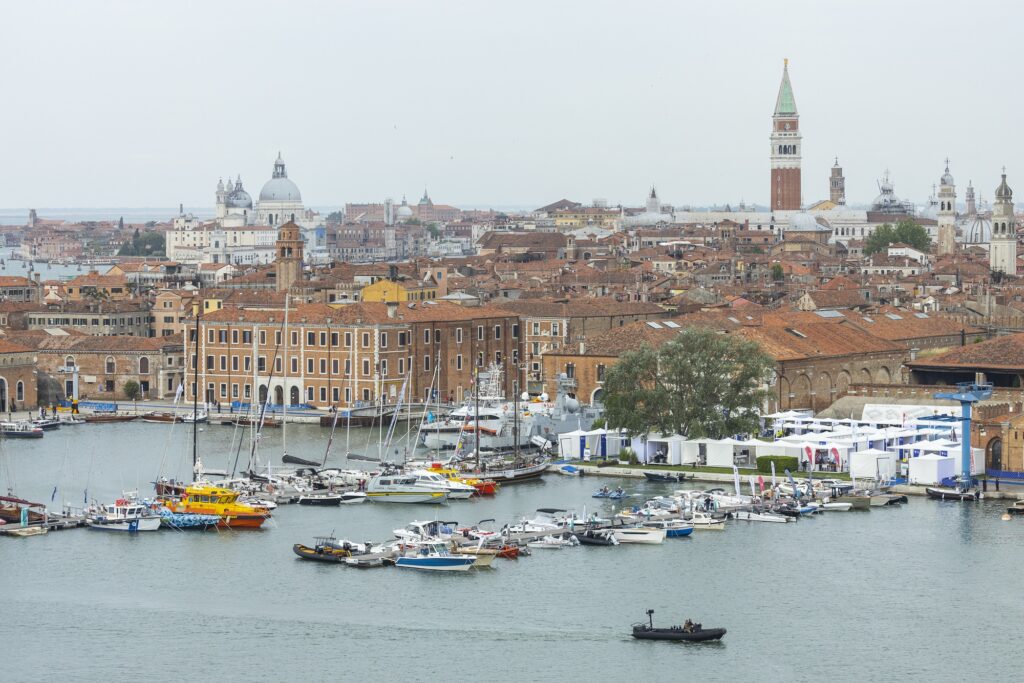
[778, 274]
[132, 390]
[906, 232]
[699, 384]
[149, 243]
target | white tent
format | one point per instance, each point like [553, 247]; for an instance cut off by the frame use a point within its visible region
[689, 452]
[670, 446]
[871, 463]
[720, 453]
[931, 468]
[572, 445]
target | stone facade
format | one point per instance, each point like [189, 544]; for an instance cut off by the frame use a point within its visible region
[18, 384]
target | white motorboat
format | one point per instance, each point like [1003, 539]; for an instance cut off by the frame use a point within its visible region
[435, 557]
[433, 480]
[417, 531]
[402, 488]
[352, 497]
[702, 520]
[758, 516]
[837, 507]
[554, 542]
[122, 515]
[645, 535]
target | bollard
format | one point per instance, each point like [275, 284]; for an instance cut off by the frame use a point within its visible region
[984, 485]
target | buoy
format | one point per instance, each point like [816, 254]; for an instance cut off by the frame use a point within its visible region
[1005, 517]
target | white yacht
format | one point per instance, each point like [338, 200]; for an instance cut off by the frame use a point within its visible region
[433, 480]
[402, 488]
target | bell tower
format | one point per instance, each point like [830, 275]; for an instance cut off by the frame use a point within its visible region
[1002, 250]
[785, 152]
[946, 214]
[289, 256]
[837, 185]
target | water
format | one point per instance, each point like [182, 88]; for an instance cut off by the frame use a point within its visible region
[928, 591]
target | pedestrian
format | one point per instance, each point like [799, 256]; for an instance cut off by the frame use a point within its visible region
[74, 406]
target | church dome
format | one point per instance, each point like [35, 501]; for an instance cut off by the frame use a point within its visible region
[976, 229]
[404, 211]
[1004, 191]
[239, 199]
[279, 188]
[805, 222]
[947, 178]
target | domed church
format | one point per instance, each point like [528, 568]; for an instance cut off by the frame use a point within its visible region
[279, 202]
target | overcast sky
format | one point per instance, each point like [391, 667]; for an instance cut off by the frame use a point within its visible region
[508, 104]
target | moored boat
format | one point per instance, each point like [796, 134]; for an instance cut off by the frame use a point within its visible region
[20, 430]
[402, 488]
[643, 535]
[322, 498]
[1017, 508]
[597, 537]
[689, 631]
[212, 500]
[674, 528]
[125, 515]
[435, 557]
[950, 493]
[109, 417]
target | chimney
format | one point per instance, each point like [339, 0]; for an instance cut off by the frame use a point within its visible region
[393, 272]
[392, 309]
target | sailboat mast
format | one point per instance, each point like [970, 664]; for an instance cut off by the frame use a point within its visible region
[195, 396]
[476, 416]
[286, 394]
[515, 410]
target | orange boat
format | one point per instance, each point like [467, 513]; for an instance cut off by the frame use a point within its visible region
[205, 499]
[484, 487]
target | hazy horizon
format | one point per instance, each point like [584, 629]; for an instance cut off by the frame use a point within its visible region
[489, 105]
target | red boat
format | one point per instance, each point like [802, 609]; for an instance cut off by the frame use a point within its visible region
[509, 552]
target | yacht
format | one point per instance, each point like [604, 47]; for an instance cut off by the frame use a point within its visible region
[455, 490]
[403, 488]
[122, 515]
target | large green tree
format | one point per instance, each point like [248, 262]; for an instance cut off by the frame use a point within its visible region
[906, 232]
[699, 384]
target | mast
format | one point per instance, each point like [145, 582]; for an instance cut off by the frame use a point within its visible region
[476, 416]
[286, 394]
[195, 396]
[515, 410]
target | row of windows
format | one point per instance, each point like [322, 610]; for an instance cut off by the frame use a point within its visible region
[314, 339]
[221, 363]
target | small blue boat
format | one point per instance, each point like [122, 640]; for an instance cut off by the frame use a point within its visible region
[617, 494]
[435, 557]
[674, 528]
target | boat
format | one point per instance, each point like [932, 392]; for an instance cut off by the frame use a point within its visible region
[365, 562]
[688, 632]
[323, 498]
[434, 556]
[198, 416]
[666, 477]
[830, 506]
[28, 531]
[484, 556]
[756, 515]
[207, 499]
[108, 417]
[47, 423]
[246, 421]
[644, 535]
[484, 487]
[554, 542]
[1016, 509]
[432, 480]
[616, 494]
[510, 552]
[20, 511]
[161, 416]
[183, 521]
[20, 430]
[569, 470]
[597, 537]
[702, 520]
[330, 549]
[352, 497]
[68, 419]
[123, 515]
[402, 488]
[417, 531]
[674, 528]
[951, 493]
[513, 473]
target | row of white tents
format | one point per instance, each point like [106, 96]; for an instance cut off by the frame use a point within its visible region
[925, 450]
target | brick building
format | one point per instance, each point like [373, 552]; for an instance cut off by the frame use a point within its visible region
[17, 377]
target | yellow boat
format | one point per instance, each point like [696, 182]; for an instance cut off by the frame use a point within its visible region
[484, 487]
[206, 499]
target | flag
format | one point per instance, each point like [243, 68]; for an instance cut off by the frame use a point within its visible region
[835, 456]
[736, 479]
[773, 473]
[760, 482]
[792, 482]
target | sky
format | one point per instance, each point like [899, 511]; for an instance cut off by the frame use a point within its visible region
[134, 104]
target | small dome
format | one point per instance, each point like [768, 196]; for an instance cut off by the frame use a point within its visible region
[947, 178]
[404, 211]
[1004, 191]
[976, 230]
[239, 199]
[805, 222]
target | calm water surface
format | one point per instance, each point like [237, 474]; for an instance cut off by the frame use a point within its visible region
[929, 591]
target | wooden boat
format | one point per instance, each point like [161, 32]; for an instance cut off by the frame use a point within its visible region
[513, 474]
[246, 421]
[11, 507]
[694, 633]
[944, 493]
[108, 417]
[157, 416]
[484, 556]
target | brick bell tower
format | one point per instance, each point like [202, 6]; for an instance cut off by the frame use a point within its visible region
[785, 154]
[289, 256]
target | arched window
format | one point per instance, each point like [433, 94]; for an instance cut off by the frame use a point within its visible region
[143, 366]
[69, 361]
[20, 391]
[110, 367]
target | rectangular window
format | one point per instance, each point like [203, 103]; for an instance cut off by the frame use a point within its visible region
[383, 340]
[209, 363]
[261, 364]
[323, 339]
[600, 373]
[515, 330]
[335, 394]
[348, 339]
[384, 367]
[223, 363]
[480, 332]
[295, 365]
[234, 336]
[247, 391]
[366, 340]
[401, 339]
[458, 362]
[263, 337]
[222, 336]
[310, 338]
[426, 363]
[348, 367]
[348, 394]
[234, 363]
[223, 390]
[401, 367]
[334, 366]
[554, 329]
[497, 357]
[480, 359]
[309, 394]
[309, 366]
[497, 332]
[570, 370]
[323, 366]
[426, 336]
[536, 328]
[246, 336]
[334, 338]
[437, 336]
[366, 367]
[234, 391]
[247, 363]
[277, 337]
[277, 364]
[209, 337]
[458, 335]
[366, 394]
